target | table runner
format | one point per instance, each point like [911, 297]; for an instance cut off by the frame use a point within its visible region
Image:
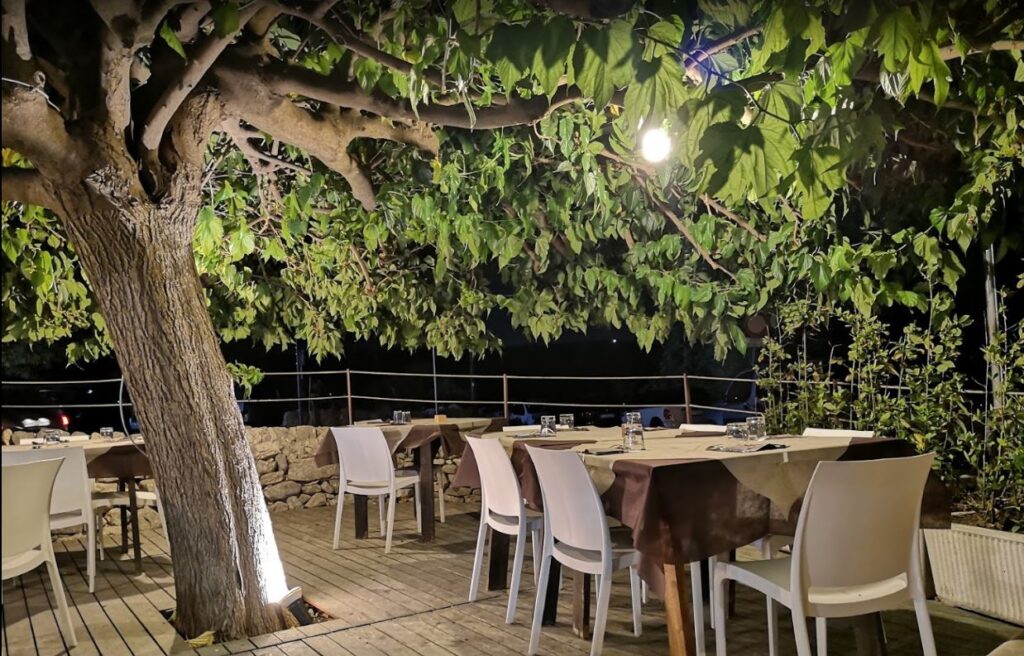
[121, 459]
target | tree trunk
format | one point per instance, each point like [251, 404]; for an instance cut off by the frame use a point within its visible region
[140, 265]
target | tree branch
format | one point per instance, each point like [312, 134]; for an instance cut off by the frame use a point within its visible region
[345, 36]
[36, 130]
[952, 52]
[733, 216]
[368, 285]
[206, 54]
[26, 186]
[262, 163]
[693, 69]
[588, 9]
[15, 27]
[338, 91]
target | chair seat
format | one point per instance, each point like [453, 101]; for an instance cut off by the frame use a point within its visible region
[510, 525]
[772, 578]
[589, 560]
[21, 563]
[67, 519]
[403, 478]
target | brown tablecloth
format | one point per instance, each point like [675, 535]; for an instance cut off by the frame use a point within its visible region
[683, 510]
[452, 443]
[121, 459]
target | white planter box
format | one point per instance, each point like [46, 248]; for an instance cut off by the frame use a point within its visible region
[979, 569]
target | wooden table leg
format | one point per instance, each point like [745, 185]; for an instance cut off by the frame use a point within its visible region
[362, 522]
[121, 487]
[551, 594]
[426, 465]
[868, 635]
[678, 614]
[133, 503]
[497, 564]
[581, 605]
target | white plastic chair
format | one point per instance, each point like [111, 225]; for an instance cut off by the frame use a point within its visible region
[502, 509]
[366, 469]
[836, 432]
[71, 503]
[27, 490]
[576, 534]
[856, 552]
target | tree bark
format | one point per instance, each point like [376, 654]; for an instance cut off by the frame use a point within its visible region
[140, 265]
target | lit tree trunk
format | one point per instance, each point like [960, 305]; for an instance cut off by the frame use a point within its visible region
[141, 267]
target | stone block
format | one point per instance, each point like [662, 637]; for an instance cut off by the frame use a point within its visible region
[306, 470]
[270, 478]
[311, 488]
[282, 461]
[265, 466]
[294, 503]
[317, 500]
[282, 490]
[278, 506]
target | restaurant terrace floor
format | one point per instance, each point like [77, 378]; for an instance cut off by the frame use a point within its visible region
[411, 602]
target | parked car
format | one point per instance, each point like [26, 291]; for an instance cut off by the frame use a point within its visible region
[738, 401]
[660, 417]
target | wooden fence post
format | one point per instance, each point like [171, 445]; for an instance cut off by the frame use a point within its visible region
[348, 392]
[686, 398]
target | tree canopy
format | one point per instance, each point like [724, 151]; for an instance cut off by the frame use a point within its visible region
[398, 171]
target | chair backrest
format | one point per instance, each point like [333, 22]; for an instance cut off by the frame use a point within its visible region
[501, 493]
[836, 432]
[572, 508]
[26, 502]
[859, 522]
[364, 454]
[72, 491]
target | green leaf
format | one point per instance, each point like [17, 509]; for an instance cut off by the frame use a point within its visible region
[556, 38]
[171, 39]
[657, 92]
[926, 64]
[894, 36]
[604, 60]
[209, 229]
[225, 18]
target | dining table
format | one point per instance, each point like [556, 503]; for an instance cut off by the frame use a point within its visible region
[683, 500]
[424, 438]
[125, 461]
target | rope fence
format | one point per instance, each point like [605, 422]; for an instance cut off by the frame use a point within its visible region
[506, 401]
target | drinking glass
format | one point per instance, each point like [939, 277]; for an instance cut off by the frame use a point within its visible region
[107, 433]
[633, 438]
[397, 416]
[406, 417]
[547, 425]
[634, 419]
[567, 420]
[756, 429]
[736, 431]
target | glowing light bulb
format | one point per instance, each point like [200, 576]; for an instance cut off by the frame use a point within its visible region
[655, 145]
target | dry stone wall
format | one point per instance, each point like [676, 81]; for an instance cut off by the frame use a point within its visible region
[290, 477]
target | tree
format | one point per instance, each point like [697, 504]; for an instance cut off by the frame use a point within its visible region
[335, 167]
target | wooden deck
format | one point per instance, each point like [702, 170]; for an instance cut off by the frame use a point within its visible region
[409, 603]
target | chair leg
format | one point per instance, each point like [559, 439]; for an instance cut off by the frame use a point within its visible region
[391, 521]
[538, 605]
[712, 562]
[697, 594]
[536, 540]
[63, 614]
[773, 627]
[440, 494]
[634, 591]
[163, 523]
[478, 558]
[337, 518]
[643, 591]
[821, 635]
[604, 592]
[517, 574]
[803, 640]
[721, 599]
[90, 552]
[382, 501]
[924, 625]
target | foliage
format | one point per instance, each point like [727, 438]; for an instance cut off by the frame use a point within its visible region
[907, 383]
[841, 151]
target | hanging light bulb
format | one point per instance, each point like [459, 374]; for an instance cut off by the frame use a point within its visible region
[655, 145]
